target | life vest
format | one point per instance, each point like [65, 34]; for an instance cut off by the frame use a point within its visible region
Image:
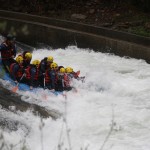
[36, 77]
[66, 80]
[19, 73]
[28, 73]
[47, 77]
[8, 53]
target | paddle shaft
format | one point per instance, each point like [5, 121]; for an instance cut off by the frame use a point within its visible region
[44, 81]
[20, 79]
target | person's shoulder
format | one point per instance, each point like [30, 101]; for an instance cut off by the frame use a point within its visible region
[33, 68]
[3, 44]
[16, 65]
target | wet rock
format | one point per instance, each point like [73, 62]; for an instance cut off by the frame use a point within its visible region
[135, 23]
[147, 25]
[117, 15]
[107, 24]
[88, 4]
[78, 16]
[92, 11]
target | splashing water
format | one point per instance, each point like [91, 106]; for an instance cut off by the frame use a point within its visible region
[111, 110]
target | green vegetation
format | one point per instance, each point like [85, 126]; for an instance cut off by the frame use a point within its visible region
[130, 16]
[140, 30]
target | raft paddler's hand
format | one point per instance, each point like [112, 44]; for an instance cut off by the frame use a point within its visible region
[31, 87]
[52, 90]
[16, 82]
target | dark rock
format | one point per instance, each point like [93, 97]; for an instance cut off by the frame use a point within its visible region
[9, 99]
[92, 11]
[147, 25]
[78, 16]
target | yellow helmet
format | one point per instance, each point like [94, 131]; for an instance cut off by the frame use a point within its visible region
[19, 59]
[50, 59]
[62, 70]
[28, 55]
[36, 62]
[69, 70]
[53, 65]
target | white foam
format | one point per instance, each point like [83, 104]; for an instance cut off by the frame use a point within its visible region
[116, 90]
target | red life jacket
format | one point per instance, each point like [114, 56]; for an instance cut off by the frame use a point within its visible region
[8, 53]
[28, 74]
[47, 77]
[66, 80]
[27, 71]
[19, 73]
[36, 77]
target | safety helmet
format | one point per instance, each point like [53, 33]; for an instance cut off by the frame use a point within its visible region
[28, 55]
[62, 70]
[36, 62]
[19, 59]
[10, 37]
[53, 65]
[69, 70]
[50, 59]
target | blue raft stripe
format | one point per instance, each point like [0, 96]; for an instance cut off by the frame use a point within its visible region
[22, 86]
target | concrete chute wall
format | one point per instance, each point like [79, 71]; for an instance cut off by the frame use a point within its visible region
[33, 30]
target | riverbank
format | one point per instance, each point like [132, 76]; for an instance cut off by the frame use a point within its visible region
[119, 15]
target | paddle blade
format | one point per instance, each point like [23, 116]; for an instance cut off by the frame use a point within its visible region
[15, 89]
[77, 73]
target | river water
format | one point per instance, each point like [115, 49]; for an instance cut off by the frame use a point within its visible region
[109, 111]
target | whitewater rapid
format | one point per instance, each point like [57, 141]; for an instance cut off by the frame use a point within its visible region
[109, 111]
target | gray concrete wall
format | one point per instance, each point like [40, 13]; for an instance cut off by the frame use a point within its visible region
[33, 30]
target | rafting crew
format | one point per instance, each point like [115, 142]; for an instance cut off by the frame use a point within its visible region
[55, 78]
[44, 73]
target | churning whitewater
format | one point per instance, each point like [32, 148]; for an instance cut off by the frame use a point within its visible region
[109, 111]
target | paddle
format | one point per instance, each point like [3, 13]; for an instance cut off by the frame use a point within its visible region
[44, 95]
[16, 87]
[79, 78]
[44, 82]
[77, 73]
